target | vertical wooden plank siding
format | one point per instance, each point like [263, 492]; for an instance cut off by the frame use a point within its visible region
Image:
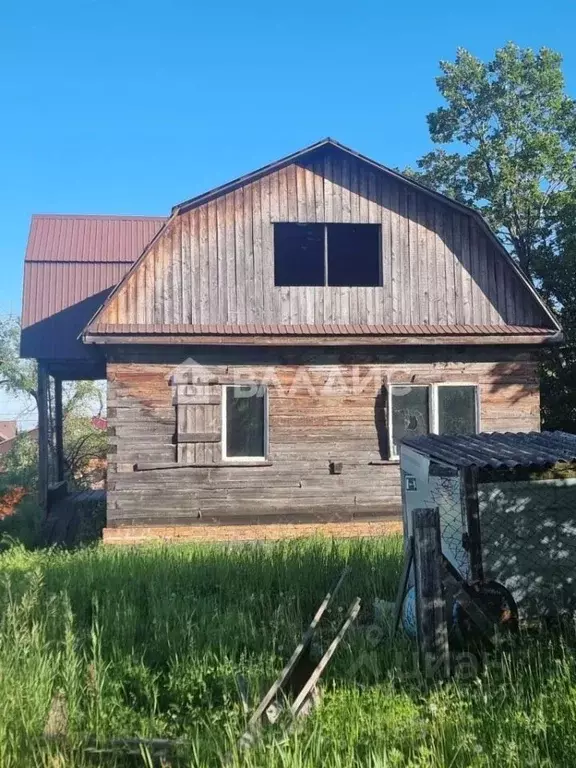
[267, 255]
[203, 267]
[186, 270]
[229, 255]
[215, 264]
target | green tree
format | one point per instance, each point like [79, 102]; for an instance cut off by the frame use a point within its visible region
[508, 130]
[513, 132]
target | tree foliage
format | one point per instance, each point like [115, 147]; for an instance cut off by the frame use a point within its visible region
[508, 130]
[84, 445]
[512, 129]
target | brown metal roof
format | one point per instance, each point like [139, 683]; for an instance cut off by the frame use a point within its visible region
[498, 450]
[314, 335]
[8, 429]
[90, 238]
[331, 329]
[72, 263]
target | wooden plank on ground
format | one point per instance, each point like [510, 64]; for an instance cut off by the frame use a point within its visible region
[302, 697]
[247, 737]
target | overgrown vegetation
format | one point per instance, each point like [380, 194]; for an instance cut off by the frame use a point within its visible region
[84, 443]
[150, 642]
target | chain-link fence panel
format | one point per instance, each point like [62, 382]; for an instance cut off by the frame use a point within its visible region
[528, 542]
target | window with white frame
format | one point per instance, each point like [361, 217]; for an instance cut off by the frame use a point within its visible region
[416, 409]
[245, 422]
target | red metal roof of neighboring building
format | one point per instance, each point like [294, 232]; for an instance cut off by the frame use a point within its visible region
[72, 263]
[90, 238]
[8, 429]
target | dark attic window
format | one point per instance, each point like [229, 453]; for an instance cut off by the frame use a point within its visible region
[299, 254]
[353, 254]
[327, 254]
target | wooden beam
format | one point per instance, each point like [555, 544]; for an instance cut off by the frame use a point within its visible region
[432, 625]
[198, 437]
[146, 467]
[300, 700]
[248, 737]
[59, 427]
[43, 437]
[469, 491]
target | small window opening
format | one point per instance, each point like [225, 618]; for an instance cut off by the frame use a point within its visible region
[299, 254]
[245, 420]
[327, 254]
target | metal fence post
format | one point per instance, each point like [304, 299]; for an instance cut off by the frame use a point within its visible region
[432, 625]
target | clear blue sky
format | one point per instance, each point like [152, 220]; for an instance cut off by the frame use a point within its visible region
[118, 106]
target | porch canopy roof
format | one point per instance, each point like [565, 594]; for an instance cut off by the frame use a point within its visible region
[71, 265]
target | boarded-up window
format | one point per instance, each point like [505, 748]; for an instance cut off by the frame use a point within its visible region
[456, 410]
[245, 422]
[198, 424]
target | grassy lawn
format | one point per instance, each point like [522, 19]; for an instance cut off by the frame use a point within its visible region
[150, 641]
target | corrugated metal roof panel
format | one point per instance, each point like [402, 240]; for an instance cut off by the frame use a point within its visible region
[329, 329]
[72, 263]
[90, 238]
[498, 450]
[58, 301]
[53, 287]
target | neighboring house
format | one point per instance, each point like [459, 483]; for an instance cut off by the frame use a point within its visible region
[276, 338]
[8, 430]
[9, 443]
[99, 422]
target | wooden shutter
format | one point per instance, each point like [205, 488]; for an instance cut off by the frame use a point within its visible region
[198, 423]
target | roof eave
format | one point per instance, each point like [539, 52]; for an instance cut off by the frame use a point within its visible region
[174, 339]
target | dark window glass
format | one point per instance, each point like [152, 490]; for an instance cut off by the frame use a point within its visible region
[353, 254]
[299, 254]
[456, 410]
[410, 413]
[245, 421]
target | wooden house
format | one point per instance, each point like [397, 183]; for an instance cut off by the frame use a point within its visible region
[270, 345]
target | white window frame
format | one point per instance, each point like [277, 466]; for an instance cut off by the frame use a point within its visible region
[223, 418]
[391, 452]
[433, 408]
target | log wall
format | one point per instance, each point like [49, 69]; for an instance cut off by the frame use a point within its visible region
[318, 413]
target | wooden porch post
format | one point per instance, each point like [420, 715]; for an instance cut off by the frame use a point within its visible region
[59, 427]
[43, 437]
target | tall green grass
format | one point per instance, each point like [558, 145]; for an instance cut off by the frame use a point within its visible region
[150, 642]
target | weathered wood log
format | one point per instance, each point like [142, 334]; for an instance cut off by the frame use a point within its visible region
[432, 627]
